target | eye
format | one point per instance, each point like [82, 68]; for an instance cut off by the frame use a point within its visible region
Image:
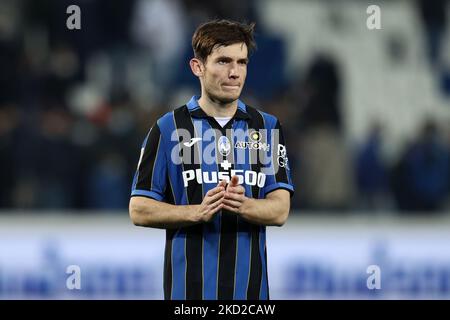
[222, 61]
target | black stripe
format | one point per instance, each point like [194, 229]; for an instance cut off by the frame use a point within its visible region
[227, 256]
[228, 243]
[254, 283]
[145, 170]
[169, 196]
[194, 234]
[168, 264]
[267, 272]
[194, 267]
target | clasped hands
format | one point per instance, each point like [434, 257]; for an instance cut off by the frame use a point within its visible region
[230, 197]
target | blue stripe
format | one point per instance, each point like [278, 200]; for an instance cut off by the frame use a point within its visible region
[151, 194]
[211, 230]
[167, 127]
[133, 186]
[193, 103]
[179, 266]
[244, 236]
[242, 106]
[288, 171]
[278, 185]
[159, 170]
[136, 175]
[263, 294]
[270, 121]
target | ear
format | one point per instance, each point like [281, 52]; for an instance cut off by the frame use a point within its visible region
[197, 67]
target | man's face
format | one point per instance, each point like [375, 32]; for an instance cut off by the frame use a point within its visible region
[224, 72]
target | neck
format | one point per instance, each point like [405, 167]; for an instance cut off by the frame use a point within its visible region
[215, 108]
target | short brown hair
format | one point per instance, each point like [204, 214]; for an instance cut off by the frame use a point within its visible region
[221, 33]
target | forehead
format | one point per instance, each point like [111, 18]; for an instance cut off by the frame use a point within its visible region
[235, 51]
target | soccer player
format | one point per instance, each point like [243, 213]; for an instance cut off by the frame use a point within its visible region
[214, 173]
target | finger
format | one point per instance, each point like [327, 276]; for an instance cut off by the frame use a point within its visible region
[217, 208]
[215, 204]
[215, 190]
[214, 198]
[233, 196]
[238, 190]
[211, 212]
[222, 183]
[232, 203]
[232, 209]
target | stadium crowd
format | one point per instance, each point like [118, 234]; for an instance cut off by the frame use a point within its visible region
[75, 106]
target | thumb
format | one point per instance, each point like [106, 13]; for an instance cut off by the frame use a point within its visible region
[234, 181]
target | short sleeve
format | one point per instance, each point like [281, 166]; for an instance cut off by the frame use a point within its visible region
[278, 172]
[150, 178]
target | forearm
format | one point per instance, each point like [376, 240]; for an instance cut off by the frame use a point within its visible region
[151, 213]
[269, 212]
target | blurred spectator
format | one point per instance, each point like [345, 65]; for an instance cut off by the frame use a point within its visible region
[57, 160]
[9, 125]
[270, 48]
[159, 28]
[371, 172]
[434, 19]
[108, 183]
[421, 177]
[203, 10]
[321, 94]
[326, 175]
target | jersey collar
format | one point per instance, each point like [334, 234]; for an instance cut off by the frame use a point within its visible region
[197, 111]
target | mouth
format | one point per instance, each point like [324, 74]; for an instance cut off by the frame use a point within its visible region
[230, 86]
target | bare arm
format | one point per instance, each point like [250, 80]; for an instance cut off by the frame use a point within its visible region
[271, 211]
[148, 212]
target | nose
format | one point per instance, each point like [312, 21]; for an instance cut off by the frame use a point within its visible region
[233, 74]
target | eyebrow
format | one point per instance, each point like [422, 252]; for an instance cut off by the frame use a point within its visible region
[225, 58]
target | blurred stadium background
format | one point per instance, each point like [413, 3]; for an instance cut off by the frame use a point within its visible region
[366, 115]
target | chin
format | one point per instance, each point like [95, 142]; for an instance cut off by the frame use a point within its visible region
[224, 97]
[228, 98]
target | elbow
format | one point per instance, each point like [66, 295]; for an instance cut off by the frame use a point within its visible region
[134, 217]
[281, 218]
[280, 205]
[135, 213]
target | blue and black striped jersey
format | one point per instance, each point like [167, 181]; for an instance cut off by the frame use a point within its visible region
[185, 154]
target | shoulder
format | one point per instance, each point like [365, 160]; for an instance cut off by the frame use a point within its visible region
[269, 120]
[166, 121]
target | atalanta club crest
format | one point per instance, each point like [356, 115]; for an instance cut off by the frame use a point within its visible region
[224, 145]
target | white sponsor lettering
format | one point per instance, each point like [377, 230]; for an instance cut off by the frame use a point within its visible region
[249, 177]
[282, 157]
[252, 145]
